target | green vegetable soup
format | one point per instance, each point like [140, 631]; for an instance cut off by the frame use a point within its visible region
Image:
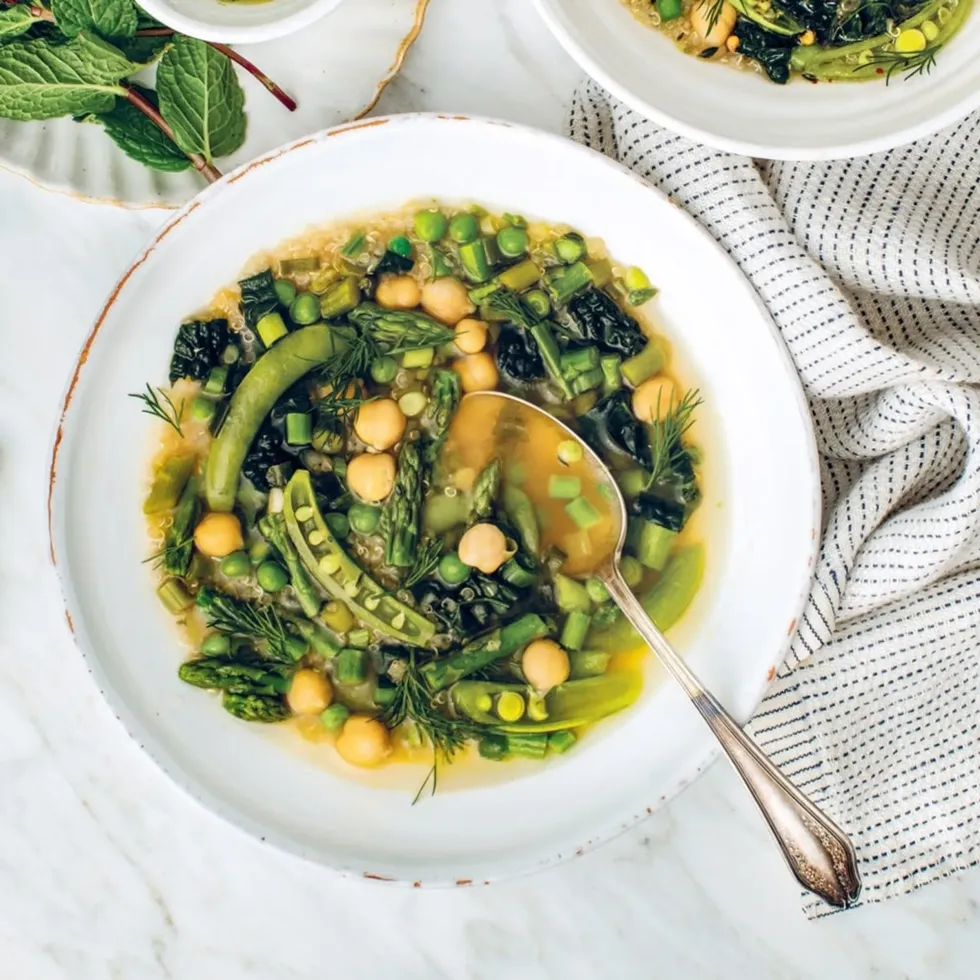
[345, 540]
[826, 40]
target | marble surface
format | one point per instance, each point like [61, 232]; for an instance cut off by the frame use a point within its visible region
[108, 871]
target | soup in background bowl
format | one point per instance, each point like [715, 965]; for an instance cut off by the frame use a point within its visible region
[756, 523]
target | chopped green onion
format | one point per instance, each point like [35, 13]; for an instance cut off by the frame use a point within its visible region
[271, 328]
[412, 403]
[570, 451]
[421, 358]
[215, 385]
[359, 638]
[583, 513]
[598, 592]
[562, 487]
[174, 596]
[299, 429]
[538, 300]
[203, 408]
[561, 741]
[570, 248]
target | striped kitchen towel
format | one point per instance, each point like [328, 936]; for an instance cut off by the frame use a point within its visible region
[871, 270]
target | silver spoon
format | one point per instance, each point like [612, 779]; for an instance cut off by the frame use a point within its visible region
[818, 852]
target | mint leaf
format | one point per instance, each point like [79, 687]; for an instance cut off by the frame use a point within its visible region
[110, 18]
[142, 50]
[201, 99]
[139, 137]
[16, 21]
[39, 80]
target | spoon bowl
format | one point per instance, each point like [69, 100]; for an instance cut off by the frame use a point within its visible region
[818, 852]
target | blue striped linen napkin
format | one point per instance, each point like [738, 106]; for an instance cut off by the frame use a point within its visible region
[870, 268]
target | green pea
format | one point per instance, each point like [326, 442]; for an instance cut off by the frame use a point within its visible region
[400, 245]
[430, 225]
[235, 565]
[285, 291]
[259, 550]
[216, 645]
[512, 241]
[383, 370]
[271, 576]
[338, 524]
[598, 592]
[453, 571]
[364, 518]
[464, 228]
[305, 309]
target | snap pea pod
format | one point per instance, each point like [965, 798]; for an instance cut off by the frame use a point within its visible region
[340, 575]
[277, 369]
[485, 650]
[169, 482]
[665, 601]
[273, 528]
[520, 510]
[569, 705]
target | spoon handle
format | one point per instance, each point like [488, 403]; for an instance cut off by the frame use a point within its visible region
[818, 852]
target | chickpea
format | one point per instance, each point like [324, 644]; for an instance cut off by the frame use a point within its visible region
[363, 741]
[218, 535]
[380, 423]
[484, 547]
[653, 399]
[477, 372]
[545, 665]
[471, 335]
[446, 299]
[310, 692]
[371, 476]
[398, 293]
[715, 35]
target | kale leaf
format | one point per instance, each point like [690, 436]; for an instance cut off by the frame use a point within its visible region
[772, 51]
[258, 297]
[517, 357]
[599, 319]
[198, 348]
[394, 263]
[266, 450]
[610, 425]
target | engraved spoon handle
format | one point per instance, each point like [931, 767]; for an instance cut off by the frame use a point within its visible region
[818, 852]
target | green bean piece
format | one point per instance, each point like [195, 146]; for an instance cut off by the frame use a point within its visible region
[315, 637]
[644, 365]
[485, 650]
[285, 291]
[421, 357]
[364, 518]
[474, 260]
[612, 378]
[168, 483]
[571, 595]
[551, 356]
[631, 570]
[561, 741]
[350, 666]
[493, 747]
[340, 298]
[333, 718]
[271, 576]
[563, 283]
[430, 225]
[299, 429]
[575, 630]
[654, 546]
[175, 596]
[271, 375]
[271, 328]
[587, 663]
[583, 514]
[441, 265]
[562, 487]
[464, 228]
[516, 573]
[359, 638]
[530, 746]
[570, 248]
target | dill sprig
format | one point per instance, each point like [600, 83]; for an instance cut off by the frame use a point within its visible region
[910, 63]
[175, 552]
[240, 618]
[427, 558]
[667, 435]
[166, 411]
[413, 703]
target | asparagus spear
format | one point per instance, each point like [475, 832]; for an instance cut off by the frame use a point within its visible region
[444, 396]
[273, 527]
[403, 510]
[256, 707]
[178, 545]
[485, 491]
[236, 676]
[520, 510]
[485, 650]
[399, 330]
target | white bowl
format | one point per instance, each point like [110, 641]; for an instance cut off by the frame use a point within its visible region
[743, 112]
[761, 500]
[238, 21]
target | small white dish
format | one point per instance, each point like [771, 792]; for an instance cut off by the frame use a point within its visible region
[238, 21]
[761, 503]
[743, 112]
[336, 71]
